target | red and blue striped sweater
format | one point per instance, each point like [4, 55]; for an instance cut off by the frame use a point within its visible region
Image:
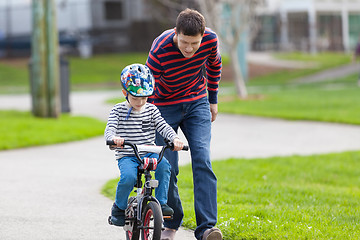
[179, 79]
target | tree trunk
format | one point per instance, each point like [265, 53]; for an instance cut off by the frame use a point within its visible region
[241, 90]
[38, 61]
[45, 86]
[53, 74]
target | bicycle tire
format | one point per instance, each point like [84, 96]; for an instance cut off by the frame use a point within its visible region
[152, 222]
[135, 233]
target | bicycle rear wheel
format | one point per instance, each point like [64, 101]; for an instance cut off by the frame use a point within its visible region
[152, 222]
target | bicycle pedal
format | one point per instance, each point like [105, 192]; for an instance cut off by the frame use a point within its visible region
[109, 220]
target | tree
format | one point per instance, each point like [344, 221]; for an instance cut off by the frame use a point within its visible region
[233, 21]
[166, 11]
[45, 60]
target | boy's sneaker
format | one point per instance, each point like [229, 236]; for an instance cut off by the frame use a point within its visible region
[166, 210]
[117, 216]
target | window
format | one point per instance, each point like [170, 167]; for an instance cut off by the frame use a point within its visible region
[113, 10]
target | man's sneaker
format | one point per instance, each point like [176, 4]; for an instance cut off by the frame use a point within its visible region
[166, 210]
[212, 234]
[117, 216]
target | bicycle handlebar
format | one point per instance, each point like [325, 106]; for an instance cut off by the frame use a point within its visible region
[136, 151]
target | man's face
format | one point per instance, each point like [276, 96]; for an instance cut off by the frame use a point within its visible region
[187, 45]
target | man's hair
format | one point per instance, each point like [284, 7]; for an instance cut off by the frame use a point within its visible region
[190, 22]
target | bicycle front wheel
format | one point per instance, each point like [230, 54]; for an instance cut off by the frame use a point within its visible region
[152, 222]
[131, 226]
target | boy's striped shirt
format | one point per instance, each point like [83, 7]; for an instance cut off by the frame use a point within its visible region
[139, 128]
[179, 79]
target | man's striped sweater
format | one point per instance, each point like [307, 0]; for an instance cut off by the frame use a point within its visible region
[179, 79]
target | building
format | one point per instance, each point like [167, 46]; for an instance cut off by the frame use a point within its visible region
[102, 25]
[308, 25]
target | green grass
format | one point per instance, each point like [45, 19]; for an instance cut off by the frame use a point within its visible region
[13, 76]
[100, 71]
[102, 68]
[22, 129]
[277, 95]
[297, 197]
[322, 61]
[316, 103]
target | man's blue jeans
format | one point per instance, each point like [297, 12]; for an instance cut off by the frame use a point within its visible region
[128, 175]
[194, 119]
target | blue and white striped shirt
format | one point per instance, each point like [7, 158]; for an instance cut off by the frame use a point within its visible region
[139, 128]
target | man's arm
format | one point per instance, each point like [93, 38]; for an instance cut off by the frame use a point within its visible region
[213, 71]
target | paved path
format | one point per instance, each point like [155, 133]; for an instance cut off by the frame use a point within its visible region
[330, 74]
[53, 192]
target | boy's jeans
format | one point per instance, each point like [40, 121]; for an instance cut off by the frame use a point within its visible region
[194, 119]
[128, 175]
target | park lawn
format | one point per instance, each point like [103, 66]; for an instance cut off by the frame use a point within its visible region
[319, 62]
[104, 69]
[14, 75]
[295, 197]
[22, 129]
[329, 101]
[99, 71]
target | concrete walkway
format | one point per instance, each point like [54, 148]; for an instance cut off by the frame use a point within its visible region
[330, 74]
[53, 192]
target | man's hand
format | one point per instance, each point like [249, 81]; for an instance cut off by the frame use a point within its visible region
[214, 111]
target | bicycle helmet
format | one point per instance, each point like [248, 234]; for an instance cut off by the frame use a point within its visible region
[137, 80]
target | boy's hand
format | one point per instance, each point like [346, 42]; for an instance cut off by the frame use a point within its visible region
[119, 141]
[178, 144]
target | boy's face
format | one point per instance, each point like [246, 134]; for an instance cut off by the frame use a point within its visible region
[136, 102]
[187, 45]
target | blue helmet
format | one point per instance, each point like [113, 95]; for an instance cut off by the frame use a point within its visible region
[137, 80]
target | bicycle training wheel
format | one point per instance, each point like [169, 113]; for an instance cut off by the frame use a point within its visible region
[152, 222]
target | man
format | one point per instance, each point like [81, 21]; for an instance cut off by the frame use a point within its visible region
[187, 99]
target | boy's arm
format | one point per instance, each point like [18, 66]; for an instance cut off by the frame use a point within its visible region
[164, 129]
[110, 129]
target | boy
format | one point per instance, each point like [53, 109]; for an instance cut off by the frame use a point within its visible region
[137, 121]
